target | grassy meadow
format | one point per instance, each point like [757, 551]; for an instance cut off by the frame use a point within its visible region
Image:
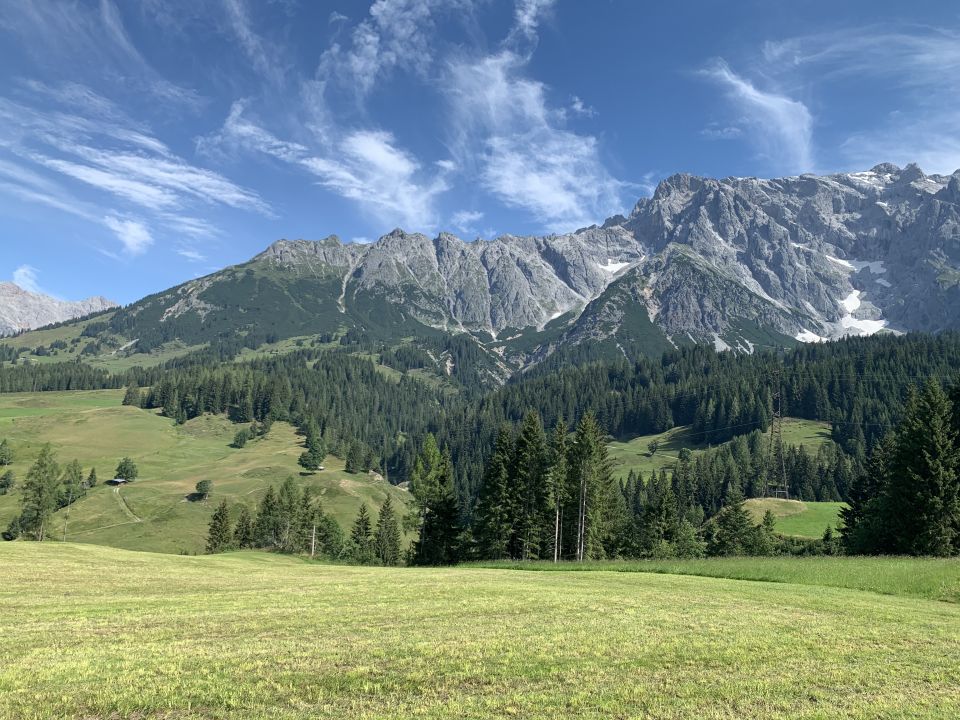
[153, 513]
[797, 518]
[634, 454]
[96, 632]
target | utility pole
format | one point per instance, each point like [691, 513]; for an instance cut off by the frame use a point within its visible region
[776, 463]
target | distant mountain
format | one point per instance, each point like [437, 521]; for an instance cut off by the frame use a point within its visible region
[735, 263]
[24, 310]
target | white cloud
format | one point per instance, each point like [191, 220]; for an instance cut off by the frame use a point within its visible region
[398, 34]
[505, 130]
[134, 235]
[528, 14]
[781, 127]
[579, 108]
[25, 276]
[715, 131]
[336, 17]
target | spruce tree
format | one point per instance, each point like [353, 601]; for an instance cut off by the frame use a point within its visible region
[600, 510]
[921, 504]
[92, 478]
[40, 494]
[558, 472]
[6, 453]
[387, 535]
[437, 511]
[361, 538]
[528, 471]
[493, 525]
[243, 532]
[219, 536]
[266, 529]
[132, 396]
[732, 531]
[7, 481]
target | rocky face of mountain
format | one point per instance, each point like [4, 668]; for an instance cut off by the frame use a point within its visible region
[736, 263]
[24, 310]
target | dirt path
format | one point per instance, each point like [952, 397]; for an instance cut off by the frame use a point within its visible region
[126, 508]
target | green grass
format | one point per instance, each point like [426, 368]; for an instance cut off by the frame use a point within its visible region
[153, 512]
[929, 578]
[800, 519]
[634, 454]
[93, 632]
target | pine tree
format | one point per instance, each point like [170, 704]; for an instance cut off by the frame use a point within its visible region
[288, 509]
[40, 494]
[529, 477]
[387, 535]
[361, 538]
[493, 526]
[92, 478]
[243, 532]
[219, 536]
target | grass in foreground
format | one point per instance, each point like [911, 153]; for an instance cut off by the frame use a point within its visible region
[930, 578]
[92, 632]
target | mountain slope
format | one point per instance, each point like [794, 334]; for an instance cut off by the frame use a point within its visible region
[23, 310]
[735, 263]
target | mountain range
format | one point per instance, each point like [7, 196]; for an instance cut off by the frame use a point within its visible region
[24, 310]
[736, 262]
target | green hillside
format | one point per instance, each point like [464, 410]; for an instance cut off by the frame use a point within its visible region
[154, 512]
[635, 455]
[800, 519]
[258, 636]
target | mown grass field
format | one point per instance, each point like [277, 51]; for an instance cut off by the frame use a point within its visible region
[153, 513]
[929, 578]
[634, 454]
[94, 632]
[801, 519]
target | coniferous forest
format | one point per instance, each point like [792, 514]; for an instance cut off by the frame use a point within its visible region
[522, 471]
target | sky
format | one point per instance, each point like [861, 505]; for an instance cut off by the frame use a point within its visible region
[146, 143]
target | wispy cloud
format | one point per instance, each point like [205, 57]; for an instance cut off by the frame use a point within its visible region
[466, 220]
[25, 276]
[365, 166]
[505, 128]
[781, 127]
[916, 67]
[73, 35]
[262, 56]
[62, 136]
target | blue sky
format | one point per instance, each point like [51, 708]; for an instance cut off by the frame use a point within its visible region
[142, 144]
